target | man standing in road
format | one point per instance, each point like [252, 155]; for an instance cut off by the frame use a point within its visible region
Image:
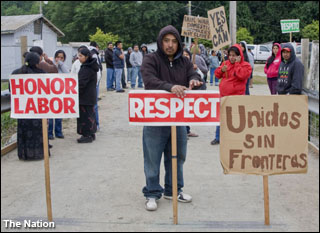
[118, 64]
[109, 63]
[166, 69]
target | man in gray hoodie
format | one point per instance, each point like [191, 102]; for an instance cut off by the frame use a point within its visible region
[136, 62]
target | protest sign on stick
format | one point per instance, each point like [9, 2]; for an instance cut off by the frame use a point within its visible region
[267, 136]
[219, 28]
[161, 108]
[44, 96]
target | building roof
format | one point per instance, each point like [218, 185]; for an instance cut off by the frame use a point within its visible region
[10, 24]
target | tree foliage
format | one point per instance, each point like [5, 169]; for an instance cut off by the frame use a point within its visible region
[103, 38]
[137, 22]
[311, 31]
[244, 35]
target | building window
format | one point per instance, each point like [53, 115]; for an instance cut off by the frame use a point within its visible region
[37, 27]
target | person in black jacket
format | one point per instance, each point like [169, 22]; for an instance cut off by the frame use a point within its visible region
[166, 69]
[29, 131]
[291, 72]
[86, 123]
[109, 63]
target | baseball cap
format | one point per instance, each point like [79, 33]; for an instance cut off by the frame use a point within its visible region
[287, 49]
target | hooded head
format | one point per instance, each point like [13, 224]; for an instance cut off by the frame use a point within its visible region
[173, 31]
[237, 46]
[289, 48]
[245, 52]
[202, 49]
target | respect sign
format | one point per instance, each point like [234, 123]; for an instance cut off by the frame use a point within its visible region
[266, 136]
[196, 27]
[35, 96]
[219, 28]
[161, 108]
[290, 25]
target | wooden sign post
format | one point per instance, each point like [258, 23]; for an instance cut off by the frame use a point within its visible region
[254, 137]
[47, 168]
[49, 96]
[174, 174]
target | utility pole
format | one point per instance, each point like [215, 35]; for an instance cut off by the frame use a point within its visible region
[189, 4]
[233, 22]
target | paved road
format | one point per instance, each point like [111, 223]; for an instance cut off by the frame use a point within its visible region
[97, 187]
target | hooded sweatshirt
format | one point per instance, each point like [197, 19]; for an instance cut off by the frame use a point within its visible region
[237, 75]
[87, 82]
[273, 69]
[250, 57]
[159, 73]
[291, 74]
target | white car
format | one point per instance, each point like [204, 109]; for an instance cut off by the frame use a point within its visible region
[260, 52]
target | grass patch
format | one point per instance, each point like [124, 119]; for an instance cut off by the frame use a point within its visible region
[260, 80]
[8, 127]
[4, 86]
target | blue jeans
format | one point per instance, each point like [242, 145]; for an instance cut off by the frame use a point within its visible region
[118, 75]
[212, 74]
[157, 140]
[136, 72]
[110, 77]
[96, 106]
[218, 133]
[129, 74]
[247, 85]
[57, 127]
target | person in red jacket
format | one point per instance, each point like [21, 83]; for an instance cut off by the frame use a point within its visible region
[234, 74]
[271, 69]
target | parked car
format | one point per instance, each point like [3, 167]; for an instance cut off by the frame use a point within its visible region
[260, 52]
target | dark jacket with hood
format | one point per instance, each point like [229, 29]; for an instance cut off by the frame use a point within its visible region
[159, 73]
[291, 73]
[108, 56]
[87, 82]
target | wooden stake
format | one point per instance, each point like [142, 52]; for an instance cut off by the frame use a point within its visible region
[194, 50]
[266, 200]
[46, 167]
[290, 36]
[174, 174]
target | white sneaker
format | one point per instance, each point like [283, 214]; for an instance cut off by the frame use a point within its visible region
[151, 204]
[182, 197]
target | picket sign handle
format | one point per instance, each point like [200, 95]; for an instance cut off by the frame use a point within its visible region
[266, 200]
[46, 167]
[174, 174]
[194, 51]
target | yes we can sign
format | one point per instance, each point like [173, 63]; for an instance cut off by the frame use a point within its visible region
[161, 108]
[38, 96]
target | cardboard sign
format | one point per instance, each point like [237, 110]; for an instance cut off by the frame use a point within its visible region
[219, 28]
[161, 108]
[35, 96]
[196, 27]
[264, 135]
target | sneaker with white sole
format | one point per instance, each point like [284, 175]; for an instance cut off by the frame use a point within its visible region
[151, 204]
[182, 197]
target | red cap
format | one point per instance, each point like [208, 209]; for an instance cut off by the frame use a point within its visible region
[287, 49]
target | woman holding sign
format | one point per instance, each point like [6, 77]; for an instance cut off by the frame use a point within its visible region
[29, 132]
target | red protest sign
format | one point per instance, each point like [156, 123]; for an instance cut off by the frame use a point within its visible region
[161, 108]
[44, 96]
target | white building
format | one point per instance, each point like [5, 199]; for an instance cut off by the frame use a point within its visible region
[39, 31]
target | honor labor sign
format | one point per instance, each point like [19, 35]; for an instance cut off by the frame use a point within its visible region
[161, 108]
[36, 96]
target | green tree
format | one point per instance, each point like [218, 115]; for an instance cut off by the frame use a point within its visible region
[244, 35]
[103, 38]
[311, 31]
